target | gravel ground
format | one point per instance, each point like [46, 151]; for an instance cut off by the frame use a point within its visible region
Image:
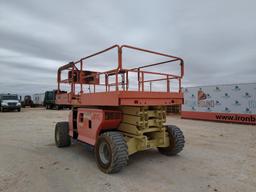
[217, 157]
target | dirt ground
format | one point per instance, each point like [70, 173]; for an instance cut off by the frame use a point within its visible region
[217, 157]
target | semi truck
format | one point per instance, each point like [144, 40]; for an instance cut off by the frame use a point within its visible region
[27, 101]
[50, 100]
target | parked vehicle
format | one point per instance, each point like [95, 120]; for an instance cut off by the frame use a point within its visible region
[27, 101]
[9, 102]
[50, 100]
[38, 99]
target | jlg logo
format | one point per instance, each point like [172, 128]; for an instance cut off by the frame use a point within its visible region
[87, 115]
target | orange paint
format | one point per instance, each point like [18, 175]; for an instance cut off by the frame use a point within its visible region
[119, 92]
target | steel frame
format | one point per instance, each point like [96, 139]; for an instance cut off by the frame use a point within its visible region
[121, 95]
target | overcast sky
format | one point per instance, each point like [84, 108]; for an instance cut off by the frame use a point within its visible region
[216, 39]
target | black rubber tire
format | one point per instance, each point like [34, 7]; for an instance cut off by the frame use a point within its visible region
[117, 151]
[62, 138]
[177, 141]
[18, 110]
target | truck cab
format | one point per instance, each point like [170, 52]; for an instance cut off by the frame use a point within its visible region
[27, 101]
[50, 100]
[9, 102]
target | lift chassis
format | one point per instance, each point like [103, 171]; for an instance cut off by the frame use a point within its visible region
[119, 115]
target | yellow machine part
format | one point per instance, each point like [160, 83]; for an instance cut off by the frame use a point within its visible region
[143, 127]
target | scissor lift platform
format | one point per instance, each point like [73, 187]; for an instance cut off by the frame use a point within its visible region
[120, 111]
[121, 98]
[123, 94]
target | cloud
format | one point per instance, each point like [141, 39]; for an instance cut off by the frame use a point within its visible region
[215, 38]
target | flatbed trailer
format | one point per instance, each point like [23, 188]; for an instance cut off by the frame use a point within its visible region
[118, 114]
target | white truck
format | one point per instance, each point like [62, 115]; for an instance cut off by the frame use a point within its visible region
[9, 102]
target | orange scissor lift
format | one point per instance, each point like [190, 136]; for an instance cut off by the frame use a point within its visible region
[116, 117]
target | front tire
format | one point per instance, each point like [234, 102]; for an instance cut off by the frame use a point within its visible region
[177, 141]
[62, 138]
[111, 152]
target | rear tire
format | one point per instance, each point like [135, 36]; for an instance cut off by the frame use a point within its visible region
[62, 138]
[177, 141]
[111, 152]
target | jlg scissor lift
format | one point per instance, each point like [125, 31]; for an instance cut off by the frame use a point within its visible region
[118, 120]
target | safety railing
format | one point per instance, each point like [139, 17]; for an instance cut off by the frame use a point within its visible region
[78, 76]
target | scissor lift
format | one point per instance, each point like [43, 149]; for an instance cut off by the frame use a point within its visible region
[122, 117]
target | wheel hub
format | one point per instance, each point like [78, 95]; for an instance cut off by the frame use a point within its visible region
[104, 152]
[57, 136]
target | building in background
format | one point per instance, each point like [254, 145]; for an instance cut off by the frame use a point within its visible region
[230, 103]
